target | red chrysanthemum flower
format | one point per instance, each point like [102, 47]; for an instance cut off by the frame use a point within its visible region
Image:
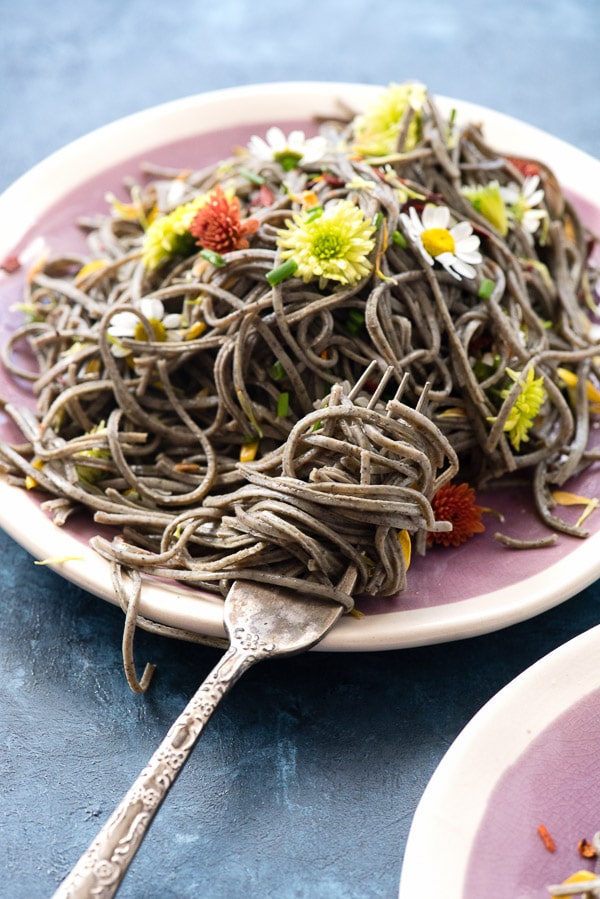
[217, 225]
[456, 503]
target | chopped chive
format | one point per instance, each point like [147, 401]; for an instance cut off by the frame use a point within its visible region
[399, 239]
[277, 371]
[486, 289]
[354, 321]
[214, 258]
[254, 177]
[378, 219]
[317, 426]
[281, 272]
[283, 404]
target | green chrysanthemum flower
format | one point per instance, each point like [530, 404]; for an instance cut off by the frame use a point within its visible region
[169, 235]
[377, 130]
[526, 407]
[333, 245]
[487, 200]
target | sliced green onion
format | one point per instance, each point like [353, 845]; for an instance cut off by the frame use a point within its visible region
[399, 239]
[486, 289]
[354, 321]
[378, 219]
[214, 258]
[283, 405]
[281, 272]
[277, 371]
[254, 177]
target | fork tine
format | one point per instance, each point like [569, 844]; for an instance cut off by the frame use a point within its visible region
[423, 396]
[367, 373]
[401, 387]
[380, 387]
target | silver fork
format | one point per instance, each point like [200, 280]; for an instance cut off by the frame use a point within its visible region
[261, 622]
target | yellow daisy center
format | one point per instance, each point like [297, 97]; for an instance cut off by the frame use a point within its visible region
[437, 241]
[158, 329]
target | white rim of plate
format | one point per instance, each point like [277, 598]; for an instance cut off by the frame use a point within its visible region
[488, 745]
[43, 185]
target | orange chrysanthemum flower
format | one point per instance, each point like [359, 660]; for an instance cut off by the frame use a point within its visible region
[456, 503]
[217, 225]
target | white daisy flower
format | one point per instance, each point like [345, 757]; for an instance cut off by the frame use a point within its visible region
[128, 324]
[520, 202]
[288, 151]
[456, 248]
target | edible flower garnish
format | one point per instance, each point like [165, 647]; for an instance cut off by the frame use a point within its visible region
[169, 235]
[456, 248]
[287, 151]
[217, 225]
[525, 408]
[487, 200]
[456, 503]
[128, 324]
[521, 201]
[331, 245]
[377, 130]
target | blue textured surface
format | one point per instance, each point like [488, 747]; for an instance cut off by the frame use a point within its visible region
[305, 782]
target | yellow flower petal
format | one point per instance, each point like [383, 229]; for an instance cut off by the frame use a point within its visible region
[571, 380]
[196, 330]
[578, 877]
[248, 451]
[453, 412]
[564, 498]
[405, 546]
[89, 268]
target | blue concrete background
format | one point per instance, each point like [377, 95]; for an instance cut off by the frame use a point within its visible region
[306, 780]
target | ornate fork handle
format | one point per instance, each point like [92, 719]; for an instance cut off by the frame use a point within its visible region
[101, 868]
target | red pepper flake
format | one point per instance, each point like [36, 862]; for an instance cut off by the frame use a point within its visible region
[586, 849]
[330, 179]
[10, 264]
[546, 838]
[527, 167]
[266, 197]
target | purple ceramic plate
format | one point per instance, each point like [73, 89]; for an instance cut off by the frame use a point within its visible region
[528, 758]
[452, 593]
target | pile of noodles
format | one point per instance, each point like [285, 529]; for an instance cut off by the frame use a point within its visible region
[388, 393]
